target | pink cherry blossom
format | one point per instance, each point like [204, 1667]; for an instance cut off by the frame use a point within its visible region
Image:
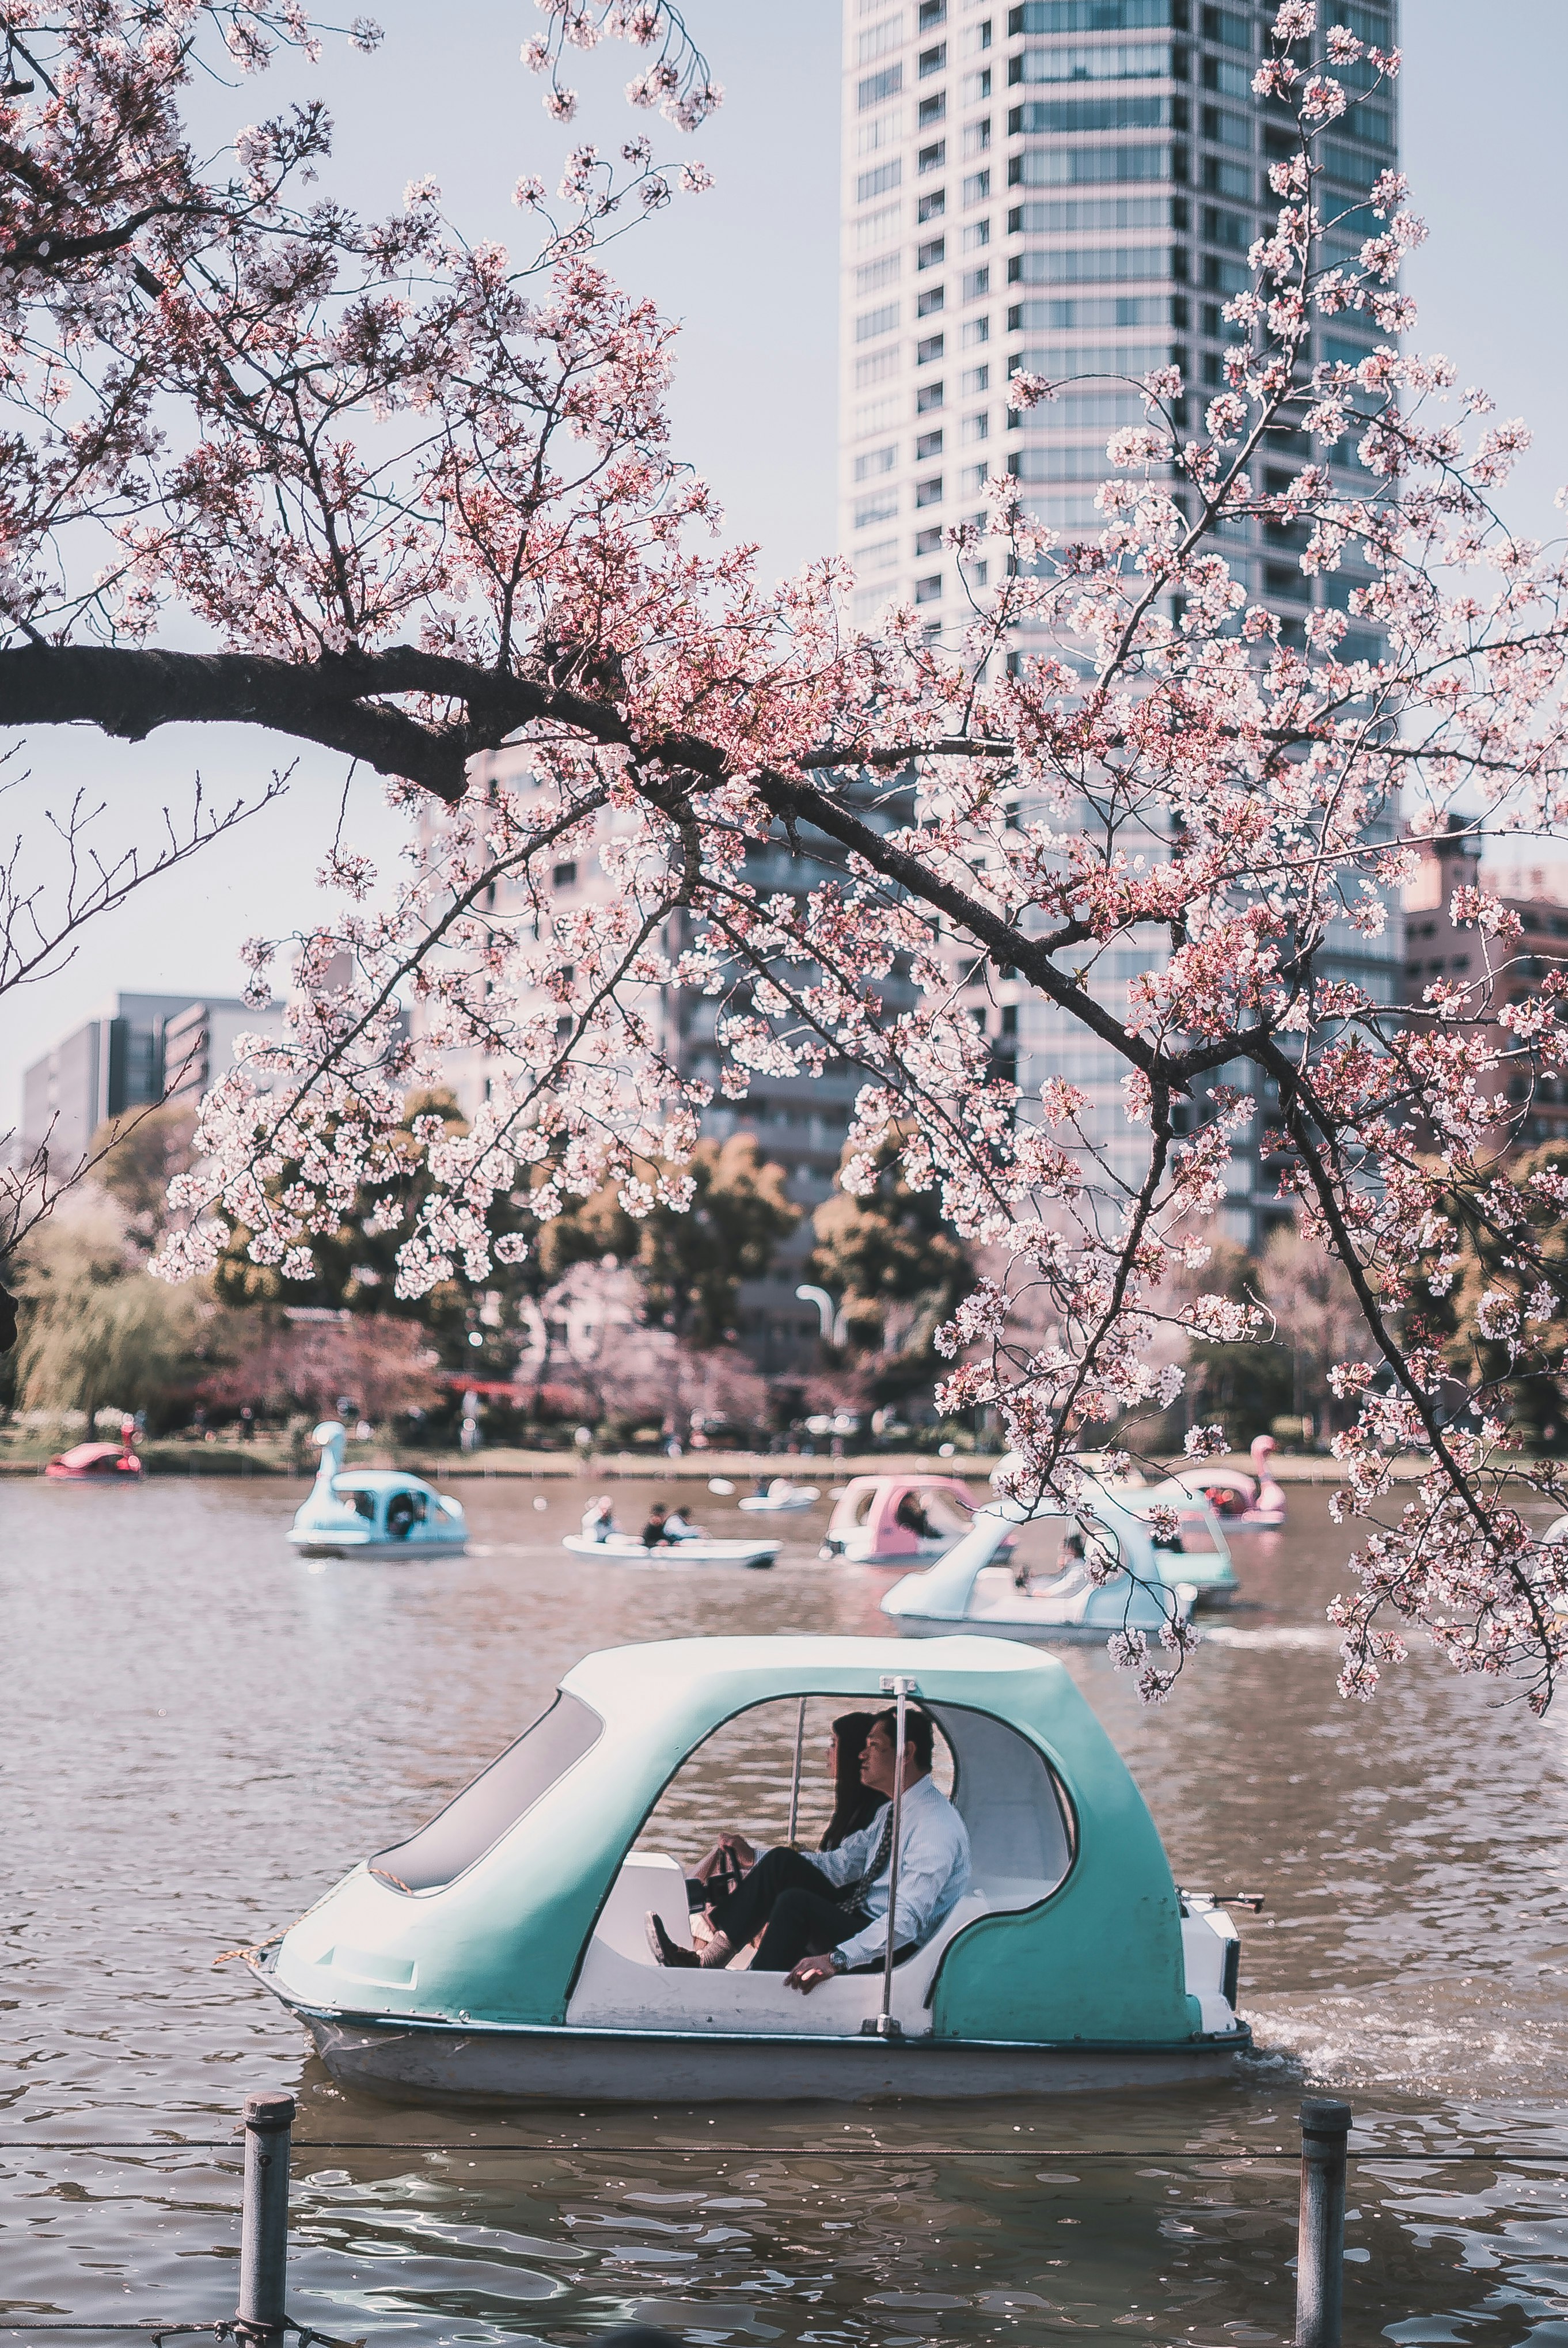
[423, 499]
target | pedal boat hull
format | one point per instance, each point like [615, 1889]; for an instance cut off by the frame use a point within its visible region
[577, 2065]
[625, 1549]
[501, 1950]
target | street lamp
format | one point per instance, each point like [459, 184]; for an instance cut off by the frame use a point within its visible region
[835, 1329]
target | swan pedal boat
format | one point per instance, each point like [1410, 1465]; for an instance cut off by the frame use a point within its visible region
[780, 1495]
[373, 1512]
[975, 1588]
[864, 1528]
[500, 1951]
[689, 1548]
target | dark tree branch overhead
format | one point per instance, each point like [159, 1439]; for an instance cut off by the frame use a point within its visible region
[333, 702]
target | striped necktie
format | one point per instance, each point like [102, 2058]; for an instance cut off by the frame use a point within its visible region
[848, 1894]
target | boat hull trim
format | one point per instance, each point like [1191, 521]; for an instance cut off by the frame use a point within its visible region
[528, 2063]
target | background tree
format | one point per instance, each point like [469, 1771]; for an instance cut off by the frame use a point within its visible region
[386, 1366]
[135, 1162]
[1317, 1320]
[694, 1241]
[1496, 1303]
[886, 1251]
[98, 1331]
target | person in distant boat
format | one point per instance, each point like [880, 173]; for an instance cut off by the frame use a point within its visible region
[855, 1805]
[403, 1512]
[599, 1518]
[667, 1524]
[911, 1514]
[1068, 1554]
[828, 1915]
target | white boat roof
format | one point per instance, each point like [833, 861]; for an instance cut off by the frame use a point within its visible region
[643, 1681]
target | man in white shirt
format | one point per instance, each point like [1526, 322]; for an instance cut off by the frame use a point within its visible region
[827, 1914]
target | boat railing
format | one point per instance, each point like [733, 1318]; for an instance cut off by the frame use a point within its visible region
[1324, 2154]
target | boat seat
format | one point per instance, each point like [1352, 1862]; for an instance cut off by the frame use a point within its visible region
[621, 1987]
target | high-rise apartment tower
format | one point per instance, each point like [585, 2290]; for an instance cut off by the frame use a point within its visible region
[1069, 187]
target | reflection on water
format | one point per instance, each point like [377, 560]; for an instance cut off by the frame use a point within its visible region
[202, 1734]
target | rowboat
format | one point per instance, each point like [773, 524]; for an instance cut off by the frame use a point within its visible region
[373, 1512]
[695, 1549]
[500, 1951]
[1045, 1574]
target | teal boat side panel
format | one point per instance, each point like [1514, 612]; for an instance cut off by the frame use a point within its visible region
[510, 1936]
[1101, 1958]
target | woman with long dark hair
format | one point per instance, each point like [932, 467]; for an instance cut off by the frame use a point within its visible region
[855, 1805]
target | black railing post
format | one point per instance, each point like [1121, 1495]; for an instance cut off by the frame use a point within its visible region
[1320, 2247]
[265, 2218]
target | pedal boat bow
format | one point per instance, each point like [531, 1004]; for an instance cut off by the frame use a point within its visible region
[373, 1512]
[500, 1951]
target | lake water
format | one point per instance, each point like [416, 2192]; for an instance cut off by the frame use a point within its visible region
[202, 1733]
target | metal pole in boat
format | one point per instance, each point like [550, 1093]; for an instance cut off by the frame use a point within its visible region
[901, 1690]
[1320, 2245]
[265, 2218]
[795, 1781]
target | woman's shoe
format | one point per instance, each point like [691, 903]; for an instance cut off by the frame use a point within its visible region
[665, 1951]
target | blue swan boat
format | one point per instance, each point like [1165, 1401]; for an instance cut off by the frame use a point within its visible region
[500, 1952]
[373, 1512]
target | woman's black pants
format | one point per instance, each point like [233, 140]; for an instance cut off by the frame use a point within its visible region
[794, 1906]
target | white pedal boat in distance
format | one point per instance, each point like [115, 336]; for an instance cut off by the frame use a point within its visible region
[1086, 1573]
[780, 1496]
[500, 1951]
[692, 1549]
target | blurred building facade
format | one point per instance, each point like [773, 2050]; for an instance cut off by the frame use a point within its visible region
[1529, 885]
[146, 1048]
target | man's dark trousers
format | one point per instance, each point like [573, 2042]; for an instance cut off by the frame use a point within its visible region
[797, 1905]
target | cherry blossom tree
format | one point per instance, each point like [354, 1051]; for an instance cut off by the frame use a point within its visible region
[420, 495]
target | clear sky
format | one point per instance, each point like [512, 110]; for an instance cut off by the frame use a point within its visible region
[749, 271]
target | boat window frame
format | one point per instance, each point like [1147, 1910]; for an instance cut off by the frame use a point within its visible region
[432, 1891]
[1066, 1803]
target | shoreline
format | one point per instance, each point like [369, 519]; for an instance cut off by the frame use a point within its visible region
[244, 1462]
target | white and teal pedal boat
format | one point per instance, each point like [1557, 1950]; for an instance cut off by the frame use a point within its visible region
[500, 1952]
[1047, 1575]
[373, 1512]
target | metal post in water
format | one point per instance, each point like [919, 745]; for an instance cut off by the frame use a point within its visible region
[885, 2027]
[1320, 2247]
[795, 1781]
[265, 2218]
